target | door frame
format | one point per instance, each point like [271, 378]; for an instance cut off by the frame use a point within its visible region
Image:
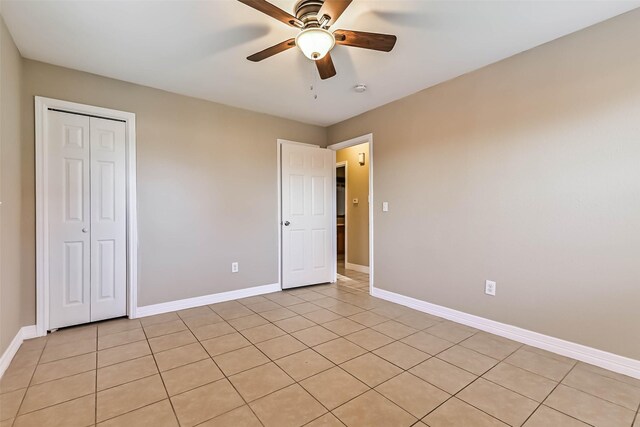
[350, 143]
[279, 143]
[344, 165]
[42, 105]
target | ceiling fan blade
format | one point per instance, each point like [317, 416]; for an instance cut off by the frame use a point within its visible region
[333, 9]
[273, 11]
[325, 67]
[375, 41]
[270, 51]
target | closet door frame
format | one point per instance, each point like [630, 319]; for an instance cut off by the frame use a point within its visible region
[42, 106]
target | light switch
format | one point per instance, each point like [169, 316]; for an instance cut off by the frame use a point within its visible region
[385, 206]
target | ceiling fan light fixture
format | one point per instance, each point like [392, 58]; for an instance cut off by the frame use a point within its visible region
[315, 43]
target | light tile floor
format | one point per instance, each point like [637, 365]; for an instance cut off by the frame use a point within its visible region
[327, 355]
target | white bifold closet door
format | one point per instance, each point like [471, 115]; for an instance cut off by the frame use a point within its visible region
[87, 219]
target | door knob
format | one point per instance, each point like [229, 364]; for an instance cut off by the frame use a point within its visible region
[84, 230]
[287, 223]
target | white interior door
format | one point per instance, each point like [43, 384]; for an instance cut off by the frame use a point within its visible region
[86, 219]
[69, 219]
[307, 214]
[108, 219]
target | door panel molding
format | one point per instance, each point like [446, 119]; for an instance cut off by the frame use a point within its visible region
[42, 106]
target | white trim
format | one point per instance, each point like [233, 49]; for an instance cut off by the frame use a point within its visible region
[603, 359]
[279, 143]
[350, 143]
[356, 267]
[344, 165]
[24, 333]
[166, 307]
[42, 105]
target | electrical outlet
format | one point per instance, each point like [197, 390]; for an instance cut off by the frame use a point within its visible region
[490, 288]
[234, 267]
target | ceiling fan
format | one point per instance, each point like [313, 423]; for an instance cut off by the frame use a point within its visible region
[313, 18]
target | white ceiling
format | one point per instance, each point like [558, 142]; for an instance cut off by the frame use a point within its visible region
[198, 48]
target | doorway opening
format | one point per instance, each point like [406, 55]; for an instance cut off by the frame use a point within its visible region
[354, 213]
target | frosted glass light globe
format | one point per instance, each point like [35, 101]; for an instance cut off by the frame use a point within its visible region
[315, 43]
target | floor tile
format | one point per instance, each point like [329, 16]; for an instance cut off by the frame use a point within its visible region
[180, 356]
[118, 325]
[605, 388]
[304, 364]
[194, 312]
[371, 369]
[289, 407]
[202, 320]
[454, 413]
[260, 381]
[262, 333]
[234, 313]
[247, 322]
[412, 394]
[322, 316]
[293, 324]
[327, 420]
[588, 408]
[159, 318]
[506, 405]
[120, 338]
[334, 387]
[64, 368]
[605, 373]
[401, 354]
[368, 319]
[72, 334]
[277, 348]
[167, 342]
[58, 391]
[74, 413]
[164, 328]
[24, 358]
[468, 360]
[16, 378]
[240, 360]
[127, 397]
[125, 372]
[278, 314]
[344, 309]
[206, 402]
[239, 417]
[419, 321]
[314, 335]
[369, 339]
[538, 364]
[304, 308]
[212, 330]
[123, 353]
[225, 344]
[395, 330]
[450, 331]
[284, 299]
[9, 403]
[158, 414]
[339, 350]
[443, 375]
[531, 385]
[252, 300]
[373, 410]
[547, 417]
[191, 376]
[343, 326]
[261, 307]
[491, 345]
[62, 351]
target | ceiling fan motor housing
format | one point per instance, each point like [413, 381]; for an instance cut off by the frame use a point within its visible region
[307, 12]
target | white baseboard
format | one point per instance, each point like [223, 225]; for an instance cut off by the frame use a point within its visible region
[357, 267]
[603, 359]
[165, 307]
[24, 333]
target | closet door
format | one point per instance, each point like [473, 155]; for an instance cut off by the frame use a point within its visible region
[69, 222]
[108, 219]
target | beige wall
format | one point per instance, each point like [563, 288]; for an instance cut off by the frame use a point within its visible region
[207, 192]
[14, 292]
[357, 215]
[526, 172]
